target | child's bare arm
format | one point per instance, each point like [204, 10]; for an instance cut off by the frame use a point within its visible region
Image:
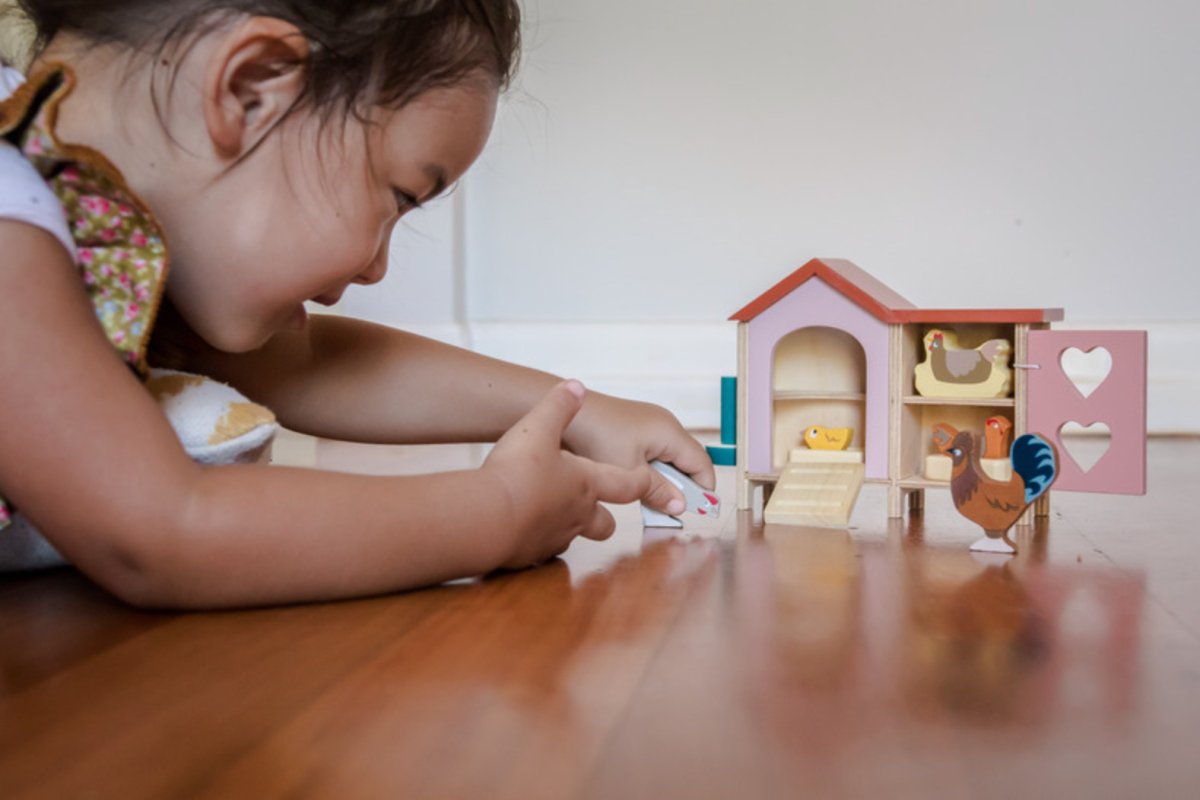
[348, 379]
[344, 378]
[87, 455]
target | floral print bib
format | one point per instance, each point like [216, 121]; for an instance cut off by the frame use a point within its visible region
[122, 255]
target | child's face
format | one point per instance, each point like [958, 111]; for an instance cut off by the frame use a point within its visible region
[311, 211]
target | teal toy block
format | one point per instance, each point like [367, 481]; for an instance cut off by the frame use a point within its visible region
[722, 455]
[729, 410]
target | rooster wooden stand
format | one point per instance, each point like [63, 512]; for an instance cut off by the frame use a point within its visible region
[831, 346]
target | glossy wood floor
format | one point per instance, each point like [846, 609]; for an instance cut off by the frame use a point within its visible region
[727, 662]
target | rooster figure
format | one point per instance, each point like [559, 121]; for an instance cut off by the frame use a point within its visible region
[951, 371]
[997, 505]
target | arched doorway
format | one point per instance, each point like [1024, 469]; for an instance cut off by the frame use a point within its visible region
[819, 377]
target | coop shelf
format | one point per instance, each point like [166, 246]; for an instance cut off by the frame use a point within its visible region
[970, 402]
[788, 394]
[921, 482]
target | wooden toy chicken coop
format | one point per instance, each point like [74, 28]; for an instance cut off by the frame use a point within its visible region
[830, 347]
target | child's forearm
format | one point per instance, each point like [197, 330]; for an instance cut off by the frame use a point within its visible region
[256, 535]
[347, 379]
[352, 380]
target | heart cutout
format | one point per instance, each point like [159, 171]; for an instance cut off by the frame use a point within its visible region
[1086, 369]
[1085, 445]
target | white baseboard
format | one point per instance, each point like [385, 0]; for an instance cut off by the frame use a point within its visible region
[679, 365]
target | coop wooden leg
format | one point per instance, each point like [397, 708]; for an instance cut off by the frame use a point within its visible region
[916, 500]
[895, 502]
[745, 494]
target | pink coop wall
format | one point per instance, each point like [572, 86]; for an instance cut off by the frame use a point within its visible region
[810, 304]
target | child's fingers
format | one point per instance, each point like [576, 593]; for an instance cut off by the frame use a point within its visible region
[602, 526]
[664, 496]
[613, 484]
[692, 459]
[553, 413]
[625, 485]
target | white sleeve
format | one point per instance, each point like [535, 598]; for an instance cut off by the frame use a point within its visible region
[25, 197]
[10, 80]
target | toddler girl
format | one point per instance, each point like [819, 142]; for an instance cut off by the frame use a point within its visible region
[177, 177]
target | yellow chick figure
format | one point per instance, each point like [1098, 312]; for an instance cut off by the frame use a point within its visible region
[819, 437]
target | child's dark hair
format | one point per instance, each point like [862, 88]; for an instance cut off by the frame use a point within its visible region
[365, 53]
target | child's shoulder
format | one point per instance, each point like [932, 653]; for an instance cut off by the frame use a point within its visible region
[25, 197]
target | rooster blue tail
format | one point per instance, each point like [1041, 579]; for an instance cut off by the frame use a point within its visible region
[1036, 461]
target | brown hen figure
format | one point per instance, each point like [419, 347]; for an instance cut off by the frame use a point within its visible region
[951, 371]
[996, 436]
[963, 366]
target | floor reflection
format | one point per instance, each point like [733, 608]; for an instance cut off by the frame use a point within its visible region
[972, 636]
[812, 606]
[937, 633]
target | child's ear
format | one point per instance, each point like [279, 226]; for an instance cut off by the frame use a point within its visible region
[255, 75]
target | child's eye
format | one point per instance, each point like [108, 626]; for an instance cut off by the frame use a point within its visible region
[405, 201]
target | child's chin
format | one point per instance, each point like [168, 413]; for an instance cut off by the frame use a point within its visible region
[296, 322]
[248, 340]
[299, 319]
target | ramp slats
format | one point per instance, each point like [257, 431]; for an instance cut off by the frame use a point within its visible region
[815, 495]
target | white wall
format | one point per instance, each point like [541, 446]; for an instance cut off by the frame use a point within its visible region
[661, 162]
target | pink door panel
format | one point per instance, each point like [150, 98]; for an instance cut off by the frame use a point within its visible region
[1118, 402]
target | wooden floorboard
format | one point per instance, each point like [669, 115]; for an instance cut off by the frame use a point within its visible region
[729, 660]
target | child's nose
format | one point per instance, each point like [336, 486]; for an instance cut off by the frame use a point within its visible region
[374, 271]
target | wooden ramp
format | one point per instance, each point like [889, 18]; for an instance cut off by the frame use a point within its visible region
[815, 494]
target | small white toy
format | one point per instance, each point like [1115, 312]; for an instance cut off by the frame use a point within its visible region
[698, 499]
[215, 423]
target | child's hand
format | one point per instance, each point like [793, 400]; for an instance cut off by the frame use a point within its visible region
[555, 495]
[627, 433]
